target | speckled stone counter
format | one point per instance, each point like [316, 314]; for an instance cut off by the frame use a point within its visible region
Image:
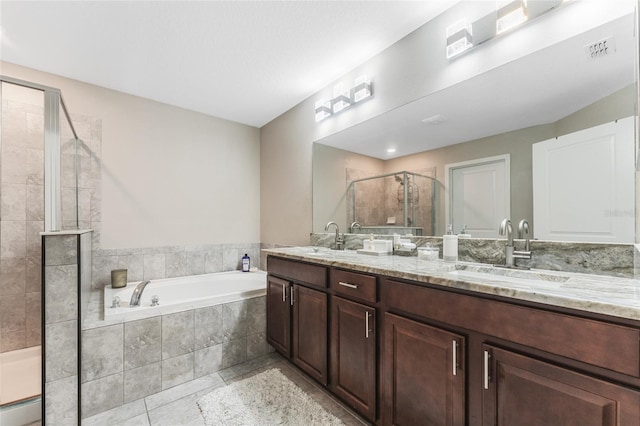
[617, 297]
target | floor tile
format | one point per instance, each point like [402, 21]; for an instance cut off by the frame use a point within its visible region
[180, 391]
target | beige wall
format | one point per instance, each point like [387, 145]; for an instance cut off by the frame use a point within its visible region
[169, 176]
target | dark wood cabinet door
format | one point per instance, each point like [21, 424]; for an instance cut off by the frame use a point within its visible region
[523, 391]
[279, 315]
[423, 374]
[353, 355]
[310, 331]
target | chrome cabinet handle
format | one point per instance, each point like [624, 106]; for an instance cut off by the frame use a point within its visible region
[455, 358]
[347, 285]
[366, 324]
[292, 295]
[284, 293]
[486, 369]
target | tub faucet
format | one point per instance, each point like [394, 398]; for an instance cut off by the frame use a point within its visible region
[339, 238]
[137, 293]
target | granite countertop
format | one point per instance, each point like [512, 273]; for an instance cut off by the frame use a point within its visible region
[617, 297]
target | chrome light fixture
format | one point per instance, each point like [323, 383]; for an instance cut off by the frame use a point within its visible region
[323, 109]
[463, 36]
[362, 88]
[511, 15]
[343, 99]
[459, 38]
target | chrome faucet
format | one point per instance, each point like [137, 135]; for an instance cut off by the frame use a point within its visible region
[510, 254]
[355, 225]
[137, 293]
[339, 238]
[507, 229]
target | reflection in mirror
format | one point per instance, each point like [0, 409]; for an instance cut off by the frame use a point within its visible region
[401, 202]
[547, 94]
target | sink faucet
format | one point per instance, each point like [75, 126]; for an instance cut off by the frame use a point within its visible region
[507, 229]
[137, 293]
[510, 254]
[339, 238]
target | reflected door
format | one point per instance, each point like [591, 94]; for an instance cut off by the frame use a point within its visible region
[583, 185]
[479, 195]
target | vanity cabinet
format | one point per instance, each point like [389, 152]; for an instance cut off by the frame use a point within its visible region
[353, 347]
[520, 390]
[297, 314]
[525, 365]
[424, 374]
[407, 353]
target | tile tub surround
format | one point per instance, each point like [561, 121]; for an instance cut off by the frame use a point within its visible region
[171, 261]
[589, 258]
[612, 296]
[126, 361]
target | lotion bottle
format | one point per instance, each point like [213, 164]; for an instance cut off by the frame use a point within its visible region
[246, 263]
[450, 246]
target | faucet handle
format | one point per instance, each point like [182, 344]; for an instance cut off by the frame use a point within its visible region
[155, 300]
[115, 302]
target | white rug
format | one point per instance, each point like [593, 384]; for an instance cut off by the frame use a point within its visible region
[268, 398]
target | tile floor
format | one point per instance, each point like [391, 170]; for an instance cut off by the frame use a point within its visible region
[177, 406]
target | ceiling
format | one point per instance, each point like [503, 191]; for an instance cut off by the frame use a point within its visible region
[246, 61]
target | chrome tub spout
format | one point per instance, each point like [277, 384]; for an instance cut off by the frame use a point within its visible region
[137, 293]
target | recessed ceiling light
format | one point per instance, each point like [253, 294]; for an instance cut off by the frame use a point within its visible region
[435, 119]
[391, 150]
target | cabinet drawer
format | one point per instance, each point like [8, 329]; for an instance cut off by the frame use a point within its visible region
[354, 284]
[598, 343]
[297, 271]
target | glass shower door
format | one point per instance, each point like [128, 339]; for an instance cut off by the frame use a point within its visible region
[21, 221]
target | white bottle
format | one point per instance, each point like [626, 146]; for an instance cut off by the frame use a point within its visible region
[450, 246]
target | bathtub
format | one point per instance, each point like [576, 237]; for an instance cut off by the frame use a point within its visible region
[184, 293]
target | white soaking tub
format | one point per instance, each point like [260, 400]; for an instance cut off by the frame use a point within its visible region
[184, 293]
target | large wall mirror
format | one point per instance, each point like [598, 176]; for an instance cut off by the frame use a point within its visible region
[502, 113]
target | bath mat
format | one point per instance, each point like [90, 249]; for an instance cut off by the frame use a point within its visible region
[268, 398]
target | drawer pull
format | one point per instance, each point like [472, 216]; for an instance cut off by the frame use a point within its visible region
[455, 358]
[486, 369]
[347, 284]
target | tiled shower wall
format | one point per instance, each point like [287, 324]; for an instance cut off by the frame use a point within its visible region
[21, 216]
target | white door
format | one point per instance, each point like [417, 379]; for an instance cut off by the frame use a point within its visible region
[478, 195]
[583, 185]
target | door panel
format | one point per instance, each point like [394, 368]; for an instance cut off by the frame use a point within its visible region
[583, 185]
[525, 392]
[279, 315]
[310, 331]
[353, 355]
[421, 385]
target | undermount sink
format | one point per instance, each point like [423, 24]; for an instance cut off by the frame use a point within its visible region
[506, 274]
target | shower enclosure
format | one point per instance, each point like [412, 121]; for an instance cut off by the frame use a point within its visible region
[401, 202]
[38, 192]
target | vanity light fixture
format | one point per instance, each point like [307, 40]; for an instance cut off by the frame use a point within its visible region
[511, 15]
[463, 36]
[362, 88]
[459, 38]
[343, 99]
[323, 109]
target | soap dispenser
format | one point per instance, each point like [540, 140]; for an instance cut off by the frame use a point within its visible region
[450, 246]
